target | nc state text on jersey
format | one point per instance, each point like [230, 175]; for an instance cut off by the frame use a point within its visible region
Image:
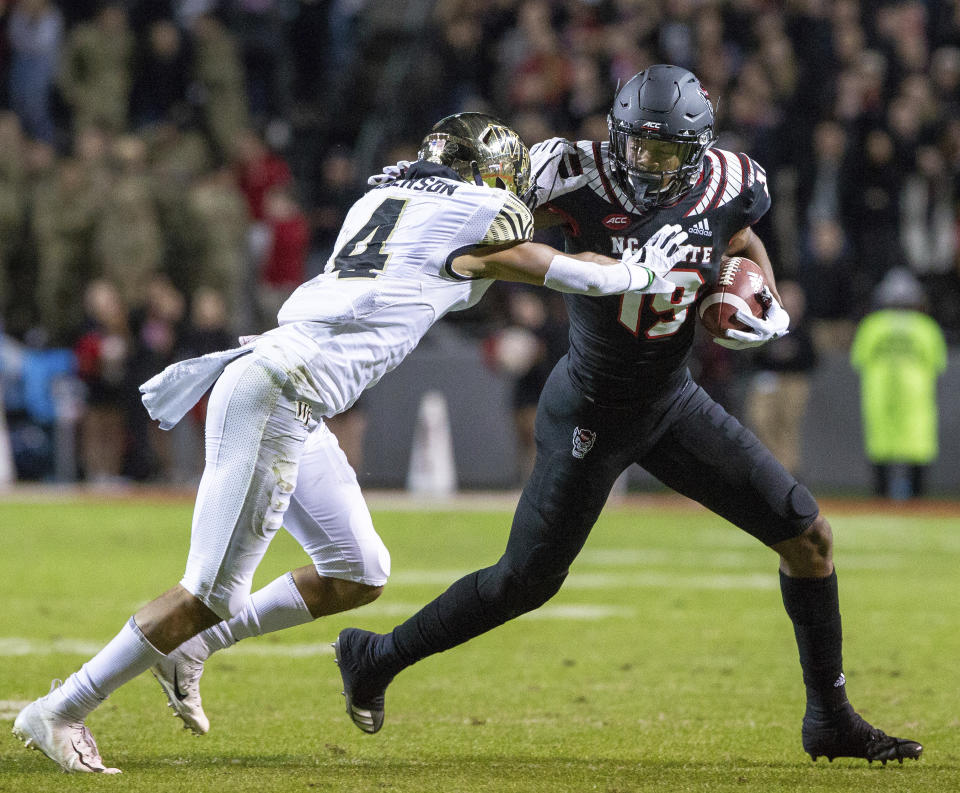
[698, 254]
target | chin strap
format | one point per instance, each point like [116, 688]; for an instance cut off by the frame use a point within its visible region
[477, 179]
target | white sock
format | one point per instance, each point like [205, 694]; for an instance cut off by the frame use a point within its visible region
[127, 655]
[277, 606]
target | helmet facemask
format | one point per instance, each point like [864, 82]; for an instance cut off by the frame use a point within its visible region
[481, 150]
[655, 169]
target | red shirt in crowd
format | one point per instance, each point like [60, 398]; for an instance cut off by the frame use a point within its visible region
[286, 261]
[257, 177]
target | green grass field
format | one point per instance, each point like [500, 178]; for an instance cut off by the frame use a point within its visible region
[665, 664]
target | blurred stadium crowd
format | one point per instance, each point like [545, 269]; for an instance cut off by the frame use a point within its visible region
[171, 169]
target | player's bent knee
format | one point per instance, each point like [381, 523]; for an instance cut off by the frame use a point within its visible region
[324, 594]
[375, 560]
[354, 552]
[512, 593]
[811, 553]
[367, 564]
[340, 595]
[539, 592]
[352, 594]
[225, 605]
[818, 538]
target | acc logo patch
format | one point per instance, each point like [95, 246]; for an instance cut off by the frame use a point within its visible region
[616, 221]
[583, 441]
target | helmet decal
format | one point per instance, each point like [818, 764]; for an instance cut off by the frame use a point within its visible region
[435, 146]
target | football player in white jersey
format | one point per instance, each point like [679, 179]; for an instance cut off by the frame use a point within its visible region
[409, 252]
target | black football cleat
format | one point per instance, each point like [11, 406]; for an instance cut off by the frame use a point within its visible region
[363, 688]
[846, 734]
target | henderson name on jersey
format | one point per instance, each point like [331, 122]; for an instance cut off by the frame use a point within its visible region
[632, 346]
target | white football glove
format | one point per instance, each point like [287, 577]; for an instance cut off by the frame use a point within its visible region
[390, 173]
[658, 256]
[773, 325]
[546, 158]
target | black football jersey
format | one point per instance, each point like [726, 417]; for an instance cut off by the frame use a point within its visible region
[627, 347]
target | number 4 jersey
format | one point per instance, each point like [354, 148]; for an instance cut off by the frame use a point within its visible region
[388, 280]
[390, 277]
[629, 347]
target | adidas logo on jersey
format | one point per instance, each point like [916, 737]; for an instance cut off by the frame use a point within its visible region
[701, 227]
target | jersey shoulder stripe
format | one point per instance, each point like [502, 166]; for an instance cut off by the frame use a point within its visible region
[734, 172]
[721, 164]
[604, 185]
[513, 222]
[747, 169]
[713, 184]
[602, 180]
[728, 176]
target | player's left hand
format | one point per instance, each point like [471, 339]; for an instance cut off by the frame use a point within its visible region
[774, 324]
[390, 173]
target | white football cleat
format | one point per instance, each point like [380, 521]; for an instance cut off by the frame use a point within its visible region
[68, 743]
[179, 677]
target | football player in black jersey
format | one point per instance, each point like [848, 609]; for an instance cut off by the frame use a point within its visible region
[623, 395]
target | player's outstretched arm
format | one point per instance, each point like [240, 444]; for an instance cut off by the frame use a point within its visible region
[584, 273]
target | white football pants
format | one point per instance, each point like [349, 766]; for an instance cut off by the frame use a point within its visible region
[269, 464]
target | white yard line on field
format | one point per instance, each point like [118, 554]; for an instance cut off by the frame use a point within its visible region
[20, 646]
[620, 580]
[9, 708]
[14, 645]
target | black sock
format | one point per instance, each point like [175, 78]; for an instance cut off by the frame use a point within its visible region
[813, 605]
[454, 617]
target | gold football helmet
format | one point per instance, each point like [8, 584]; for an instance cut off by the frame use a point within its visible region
[481, 149]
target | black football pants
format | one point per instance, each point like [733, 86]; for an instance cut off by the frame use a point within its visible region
[684, 438]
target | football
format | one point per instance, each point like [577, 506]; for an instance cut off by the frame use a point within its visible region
[738, 287]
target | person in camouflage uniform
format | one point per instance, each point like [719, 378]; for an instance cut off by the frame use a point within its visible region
[96, 69]
[219, 73]
[217, 225]
[127, 242]
[177, 155]
[12, 203]
[66, 204]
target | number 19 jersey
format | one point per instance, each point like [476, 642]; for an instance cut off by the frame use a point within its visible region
[390, 277]
[631, 347]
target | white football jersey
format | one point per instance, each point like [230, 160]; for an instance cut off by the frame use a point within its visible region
[390, 278]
